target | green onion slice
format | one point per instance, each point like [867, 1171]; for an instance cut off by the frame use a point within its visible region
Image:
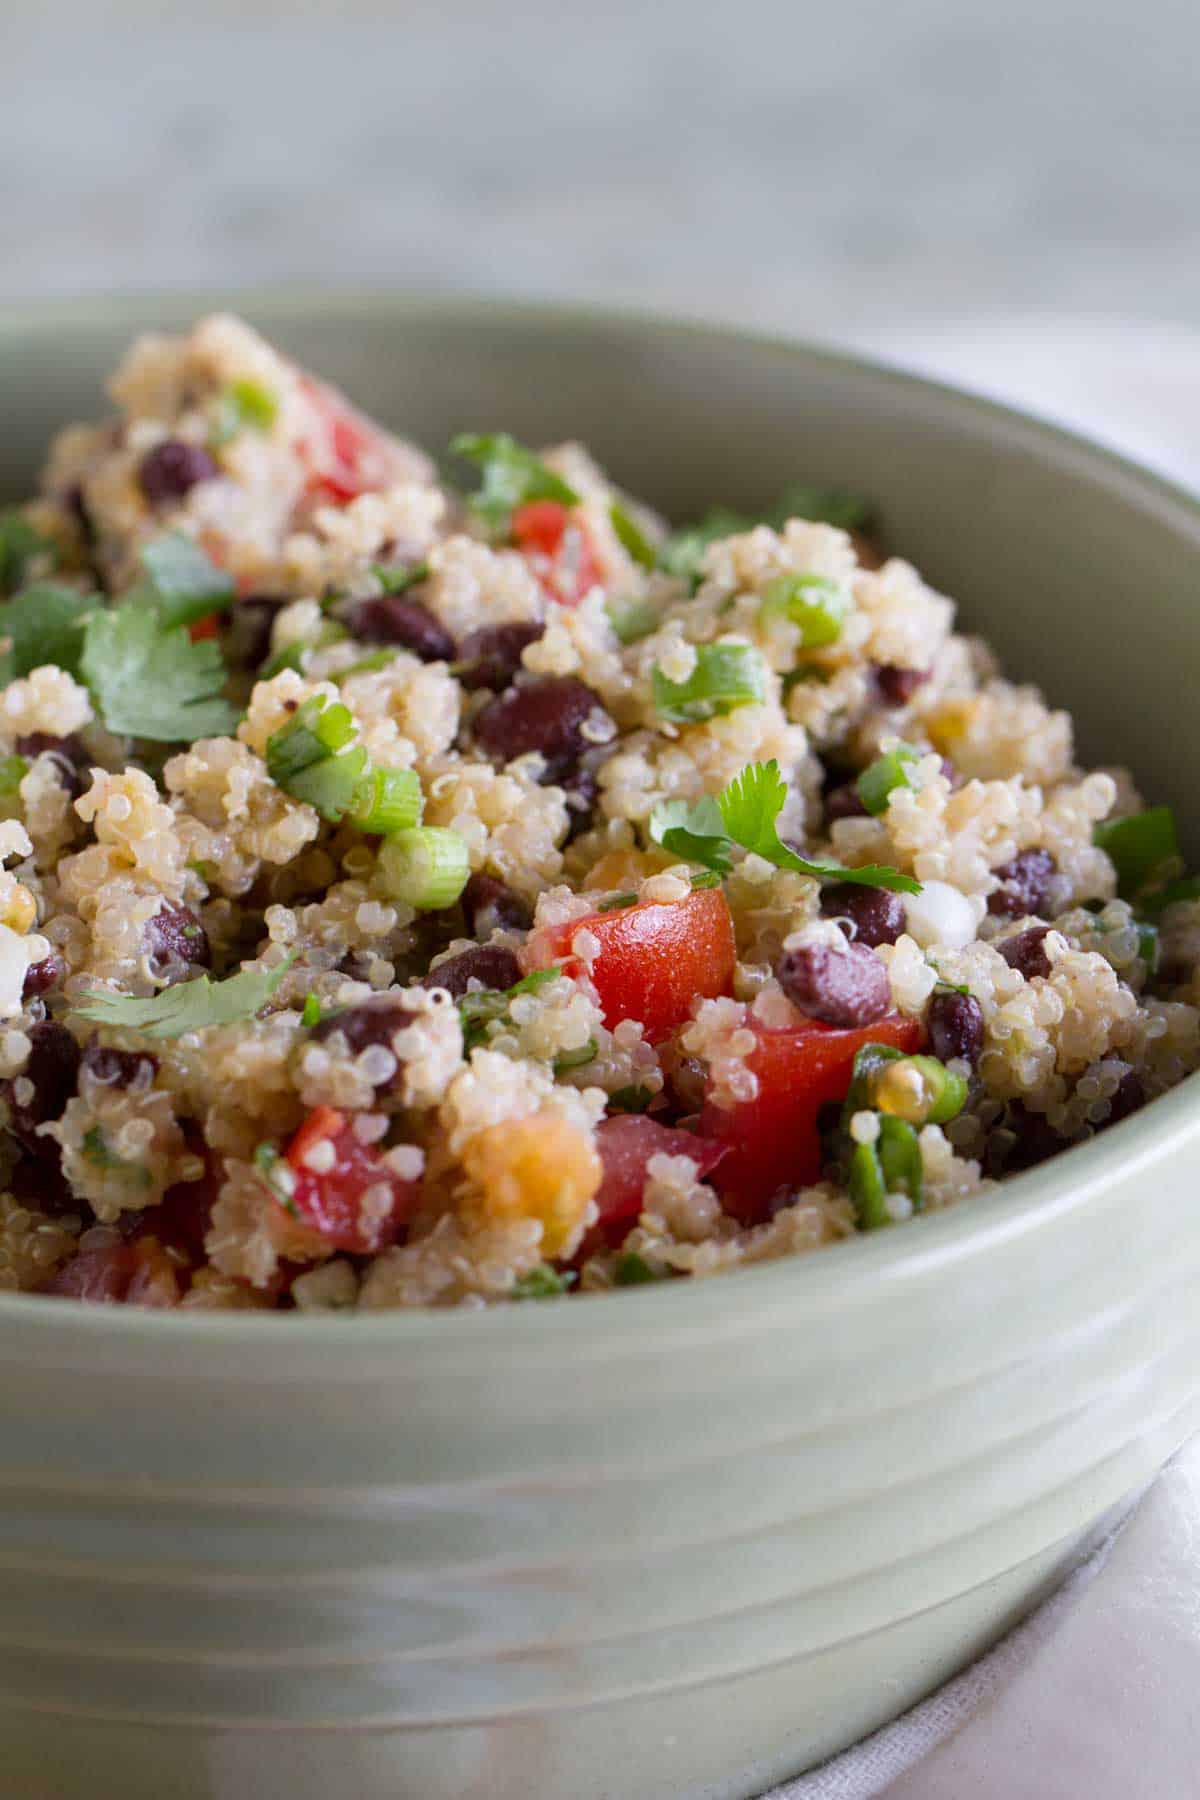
[725, 676]
[426, 866]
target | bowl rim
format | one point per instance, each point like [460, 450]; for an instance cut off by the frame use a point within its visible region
[872, 1265]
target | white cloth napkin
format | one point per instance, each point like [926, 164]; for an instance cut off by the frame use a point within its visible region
[1097, 1695]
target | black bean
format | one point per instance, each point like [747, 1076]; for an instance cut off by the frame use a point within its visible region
[1027, 951]
[896, 685]
[847, 987]
[490, 906]
[398, 619]
[172, 469]
[373, 1021]
[876, 913]
[490, 964]
[955, 1025]
[546, 714]
[118, 1068]
[71, 761]
[491, 656]
[247, 640]
[1130, 1095]
[1024, 1140]
[844, 803]
[53, 1069]
[174, 940]
[1026, 885]
[41, 976]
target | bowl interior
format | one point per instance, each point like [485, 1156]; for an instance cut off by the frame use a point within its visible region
[1080, 569]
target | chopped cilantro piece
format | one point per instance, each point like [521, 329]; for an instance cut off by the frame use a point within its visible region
[44, 624]
[632, 1270]
[1138, 846]
[512, 476]
[312, 1014]
[181, 581]
[151, 681]
[477, 1011]
[395, 580]
[745, 813]
[683, 553]
[189, 1005]
[630, 1100]
[20, 544]
[630, 535]
[95, 1150]
[541, 1283]
[576, 1059]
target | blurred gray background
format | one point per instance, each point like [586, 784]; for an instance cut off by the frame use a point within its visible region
[834, 168]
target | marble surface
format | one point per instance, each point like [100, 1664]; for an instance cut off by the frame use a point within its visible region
[823, 169]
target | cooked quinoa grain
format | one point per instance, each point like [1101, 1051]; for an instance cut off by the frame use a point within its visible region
[415, 895]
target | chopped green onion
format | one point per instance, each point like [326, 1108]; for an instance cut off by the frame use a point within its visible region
[816, 605]
[312, 1012]
[567, 1060]
[632, 619]
[900, 1158]
[632, 1270]
[707, 878]
[616, 902]
[12, 772]
[312, 757]
[630, 1100]
[388, 800]
[541, 1283]
[243, 403]
[1138, 846]
[630, 535]
[868, 1195]
[877, 783]
[868, 1061]
[919, 1089]
[427, 867]
[725, 676]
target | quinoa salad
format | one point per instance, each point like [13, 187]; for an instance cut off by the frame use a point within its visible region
[441, 884]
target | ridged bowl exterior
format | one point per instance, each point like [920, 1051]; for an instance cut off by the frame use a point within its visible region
[684, 1541]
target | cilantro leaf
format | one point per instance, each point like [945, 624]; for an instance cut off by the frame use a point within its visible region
[512, 476]
[396, 578]
[45, 625]
[749, 807]
[181, 581]
[541, 1283]
[20, 543]
[150, 680]
[696, 833]
[189, 1005]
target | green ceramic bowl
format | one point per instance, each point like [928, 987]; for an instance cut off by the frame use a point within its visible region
[676, 1542]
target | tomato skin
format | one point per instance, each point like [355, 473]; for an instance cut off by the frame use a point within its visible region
[654, 959]
[348, 455]
[626, 1144]
[773, 1140]
[329, 1201]
[558, 549]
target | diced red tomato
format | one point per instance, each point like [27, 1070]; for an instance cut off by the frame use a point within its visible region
[654, 959]
[557, 547]
[348, 454]
[207, 627]
[773, 1140]
[626, 1145]
[134, 1274]
[330, 1200]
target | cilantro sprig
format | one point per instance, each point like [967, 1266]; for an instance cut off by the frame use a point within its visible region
[149, 679]
[745, 813]
[189, 1005]
[512, 477]
[478, 1011]
[180, 581]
